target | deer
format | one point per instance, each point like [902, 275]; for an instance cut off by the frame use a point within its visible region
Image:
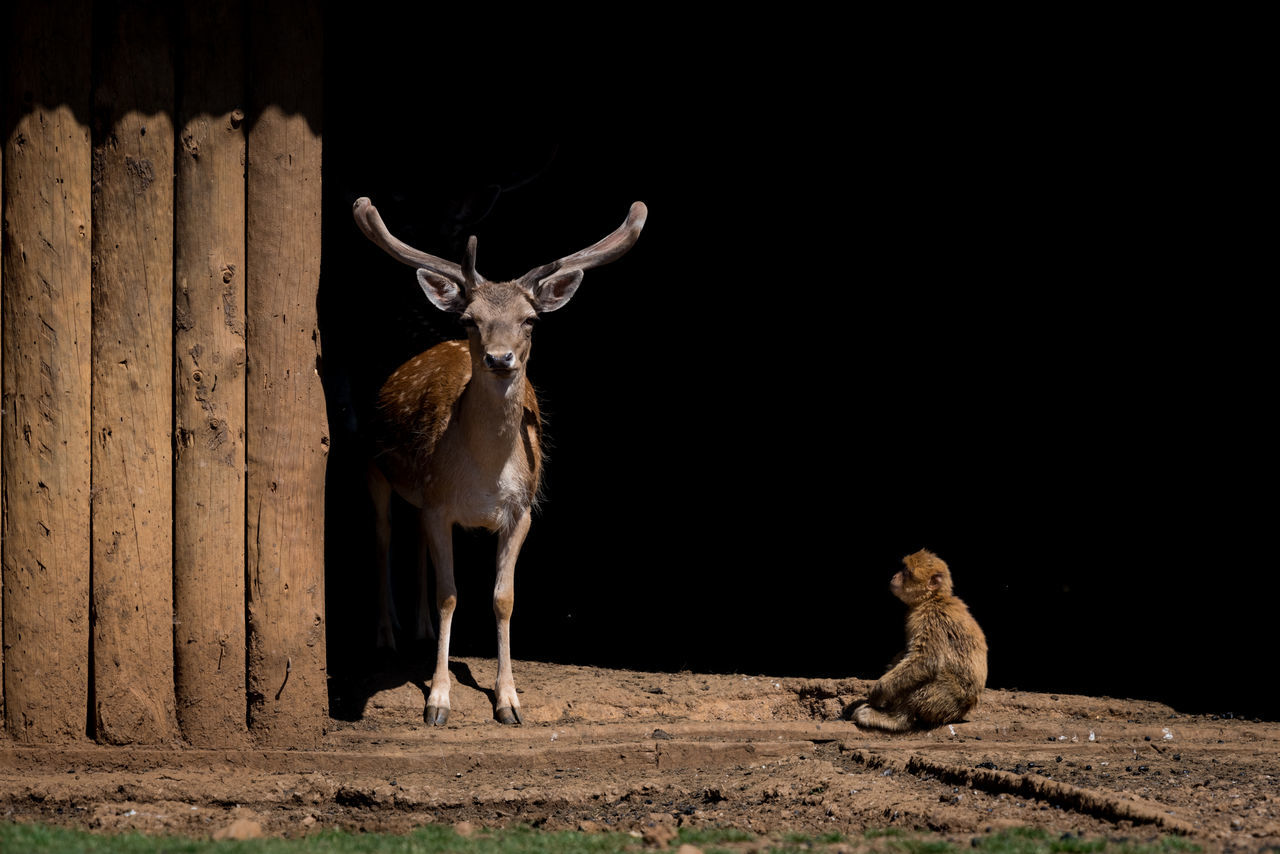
[459, 432]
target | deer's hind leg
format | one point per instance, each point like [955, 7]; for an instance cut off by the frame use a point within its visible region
[425, 629]
[380, 493]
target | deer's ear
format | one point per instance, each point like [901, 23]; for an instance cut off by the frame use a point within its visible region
[444, 293]
[556, 290]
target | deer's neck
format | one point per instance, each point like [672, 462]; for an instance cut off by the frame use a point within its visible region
[491, 412]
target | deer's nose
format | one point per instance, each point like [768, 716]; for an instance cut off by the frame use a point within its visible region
[500, 363]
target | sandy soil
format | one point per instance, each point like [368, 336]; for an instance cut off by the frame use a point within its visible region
[650, 752]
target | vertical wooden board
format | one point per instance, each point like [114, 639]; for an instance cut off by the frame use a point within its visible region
[287, 442]
[209, 379]
[2, 247]
[132, 374]
[46, 394]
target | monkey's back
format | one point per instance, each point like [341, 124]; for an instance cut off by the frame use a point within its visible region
[954, 644]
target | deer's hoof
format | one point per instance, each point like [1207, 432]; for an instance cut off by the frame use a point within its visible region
[508, 715]
[437, 715]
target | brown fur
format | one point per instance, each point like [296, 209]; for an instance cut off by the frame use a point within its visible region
[414, 412]
[938, 678]
[460, 435]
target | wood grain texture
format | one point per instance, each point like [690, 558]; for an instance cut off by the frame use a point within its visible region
[132, 375]
[2, 246]
[46, 377]
[287, 443]
[209, 379]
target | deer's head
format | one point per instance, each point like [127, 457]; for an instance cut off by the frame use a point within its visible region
[499, 316]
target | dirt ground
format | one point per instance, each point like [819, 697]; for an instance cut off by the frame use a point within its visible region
[650, 752]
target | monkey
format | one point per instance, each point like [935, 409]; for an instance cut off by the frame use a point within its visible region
[939, 676]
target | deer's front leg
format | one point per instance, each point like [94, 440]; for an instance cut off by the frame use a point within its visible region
[507, 704]
[439, 533]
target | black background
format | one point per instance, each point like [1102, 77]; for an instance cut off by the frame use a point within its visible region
[997, 315]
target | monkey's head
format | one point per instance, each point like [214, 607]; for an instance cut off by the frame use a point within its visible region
[924, 576]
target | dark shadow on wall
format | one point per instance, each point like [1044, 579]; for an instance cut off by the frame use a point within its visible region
[826, 351]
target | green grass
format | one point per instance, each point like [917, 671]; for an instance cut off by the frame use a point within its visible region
[1027, 840]
[38, 839]
[23, 838]
[707, 836]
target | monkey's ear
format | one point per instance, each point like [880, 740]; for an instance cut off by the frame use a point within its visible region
[935, 581]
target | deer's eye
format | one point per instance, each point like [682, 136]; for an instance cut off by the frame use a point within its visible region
[530, 321]
[467, 321]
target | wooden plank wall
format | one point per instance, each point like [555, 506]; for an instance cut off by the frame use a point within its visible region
[132, 422]
[46, 365]
[287, 445]
[163, 438]
[209, 378]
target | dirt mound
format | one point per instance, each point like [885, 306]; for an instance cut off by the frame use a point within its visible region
[644, 751]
